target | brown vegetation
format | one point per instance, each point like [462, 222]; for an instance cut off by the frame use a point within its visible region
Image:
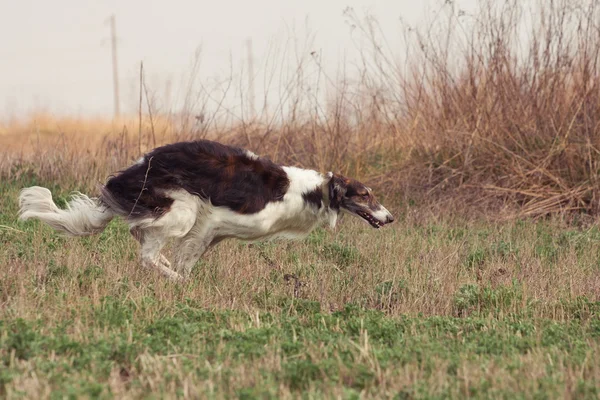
[497, 112]
[501, 108]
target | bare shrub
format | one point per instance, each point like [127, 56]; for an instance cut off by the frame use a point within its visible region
[506, 101]
[497, 108]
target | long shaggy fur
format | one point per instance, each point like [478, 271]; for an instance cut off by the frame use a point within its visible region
[82, 217]
[200, 193]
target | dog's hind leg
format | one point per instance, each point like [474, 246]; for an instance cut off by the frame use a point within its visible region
[152, 241]
[177, 223]
[138, 234]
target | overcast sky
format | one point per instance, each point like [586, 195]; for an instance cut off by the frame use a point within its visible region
[56, 55]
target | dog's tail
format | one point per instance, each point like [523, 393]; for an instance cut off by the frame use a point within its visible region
[82, 217]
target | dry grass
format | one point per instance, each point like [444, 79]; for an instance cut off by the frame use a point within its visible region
[425, 307]
[499, 118]
[505, 101]
[502, 105]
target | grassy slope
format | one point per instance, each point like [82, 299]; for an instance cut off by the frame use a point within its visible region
[423, 309]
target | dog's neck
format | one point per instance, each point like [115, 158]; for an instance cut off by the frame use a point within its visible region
[307, 181]
[332, 214]
[325, 190]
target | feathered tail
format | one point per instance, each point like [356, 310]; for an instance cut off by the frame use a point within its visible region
[82, 217]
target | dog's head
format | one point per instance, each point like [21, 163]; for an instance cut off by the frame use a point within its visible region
[354, 198]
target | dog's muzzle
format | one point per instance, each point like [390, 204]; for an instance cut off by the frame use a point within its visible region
[378, 218]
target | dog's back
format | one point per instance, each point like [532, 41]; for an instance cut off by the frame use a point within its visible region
[230, 177]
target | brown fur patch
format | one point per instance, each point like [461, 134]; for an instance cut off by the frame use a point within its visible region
[210, 170]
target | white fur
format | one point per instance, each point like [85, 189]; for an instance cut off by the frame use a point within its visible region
[195, 224]
[251, 155]
[178, 220]
[382, 214]
[291, 218]
[83, 215]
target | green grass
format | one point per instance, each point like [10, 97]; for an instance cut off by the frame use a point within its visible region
[349, 351]
[420, 310]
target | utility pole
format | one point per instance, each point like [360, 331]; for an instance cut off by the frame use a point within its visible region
[250, 79]
[113, 33]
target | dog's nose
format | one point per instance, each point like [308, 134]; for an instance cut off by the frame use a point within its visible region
[390, 219]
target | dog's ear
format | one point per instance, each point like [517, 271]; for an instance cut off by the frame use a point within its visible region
[337, 190]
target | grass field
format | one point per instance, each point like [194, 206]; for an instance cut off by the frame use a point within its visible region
[426, 308]
[491, 117]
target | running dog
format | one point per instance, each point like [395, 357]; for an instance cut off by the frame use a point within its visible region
[202, 192]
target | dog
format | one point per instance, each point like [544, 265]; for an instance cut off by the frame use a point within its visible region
[201, 192]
